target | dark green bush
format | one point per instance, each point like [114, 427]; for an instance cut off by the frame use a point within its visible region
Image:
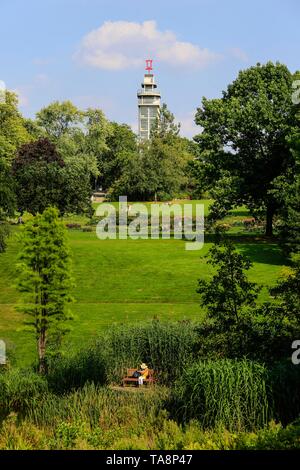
[284, 387]
[74, 370]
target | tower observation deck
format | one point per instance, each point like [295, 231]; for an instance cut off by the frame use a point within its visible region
[148, 103]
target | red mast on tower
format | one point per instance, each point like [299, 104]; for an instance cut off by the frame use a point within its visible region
[149, 65]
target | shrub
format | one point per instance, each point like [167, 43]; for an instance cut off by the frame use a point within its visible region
[73, 371]
[20, 389]
[284, 386]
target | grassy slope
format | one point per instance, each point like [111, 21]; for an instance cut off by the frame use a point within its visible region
[126, 280]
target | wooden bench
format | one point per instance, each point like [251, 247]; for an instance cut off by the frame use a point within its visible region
[134, 380]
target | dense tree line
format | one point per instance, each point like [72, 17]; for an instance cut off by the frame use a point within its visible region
[58, 158]
[246, 154]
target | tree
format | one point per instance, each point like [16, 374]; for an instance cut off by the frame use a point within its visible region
[79, 135]
[121, 146]
[287, 293]
[13, 132]
[58, 118]
[157, 171]
[244, 144]
[165, 125]
[156, 168]
[37, 172]
[287, 193]
[44, 179]
[44, 278]
[229, 292]
[7, 202]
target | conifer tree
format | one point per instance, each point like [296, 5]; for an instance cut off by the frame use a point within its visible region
[45, 279]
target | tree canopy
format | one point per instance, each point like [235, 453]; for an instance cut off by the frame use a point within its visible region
[243, 145]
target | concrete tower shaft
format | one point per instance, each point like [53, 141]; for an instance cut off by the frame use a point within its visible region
[148, 103]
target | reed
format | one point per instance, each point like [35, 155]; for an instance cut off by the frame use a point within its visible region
[224, 393]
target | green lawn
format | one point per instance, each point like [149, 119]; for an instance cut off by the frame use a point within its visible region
[126, 280]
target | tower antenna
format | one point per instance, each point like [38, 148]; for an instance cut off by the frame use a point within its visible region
[149, 65]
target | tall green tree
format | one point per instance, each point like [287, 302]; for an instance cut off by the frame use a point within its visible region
[229, 293]
[45, 279]
[165, 125]
[121, 147]
[79, 135]
[58, 118]
[287, 192]
[287, 293]
[13, 132]
[288, 195]
[243, 145]
[37, 172]
[158, 170]
[43, 178]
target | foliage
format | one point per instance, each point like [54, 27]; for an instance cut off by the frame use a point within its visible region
[158, 171]
[165, 125]
[244, 139]
[287, 192]
[7, 191]
[227, 393]
[139, 433]
[74, 370]
[13, 132]
[287, 293]
[44, 266]
[19, 390]
[44, 179]
[121, 146]
[37, 172]
[57, 118]
[229, 291]
[4, 233]
[165, 347]
[80, 137]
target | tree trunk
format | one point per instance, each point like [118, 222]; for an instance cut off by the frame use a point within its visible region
[42, 353]
[269, 221]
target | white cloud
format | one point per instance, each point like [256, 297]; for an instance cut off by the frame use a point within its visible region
[120, 44]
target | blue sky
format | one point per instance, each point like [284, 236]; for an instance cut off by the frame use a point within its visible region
[92, 51]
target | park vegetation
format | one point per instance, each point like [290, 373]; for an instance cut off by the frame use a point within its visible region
[224, 380]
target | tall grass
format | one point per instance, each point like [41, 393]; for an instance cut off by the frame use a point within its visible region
[73, 371]
[233, 394]
[165, 347]
[20, 389]
[226, 393]
[96, 405]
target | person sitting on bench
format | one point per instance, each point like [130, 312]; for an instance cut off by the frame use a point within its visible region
[142, 373]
